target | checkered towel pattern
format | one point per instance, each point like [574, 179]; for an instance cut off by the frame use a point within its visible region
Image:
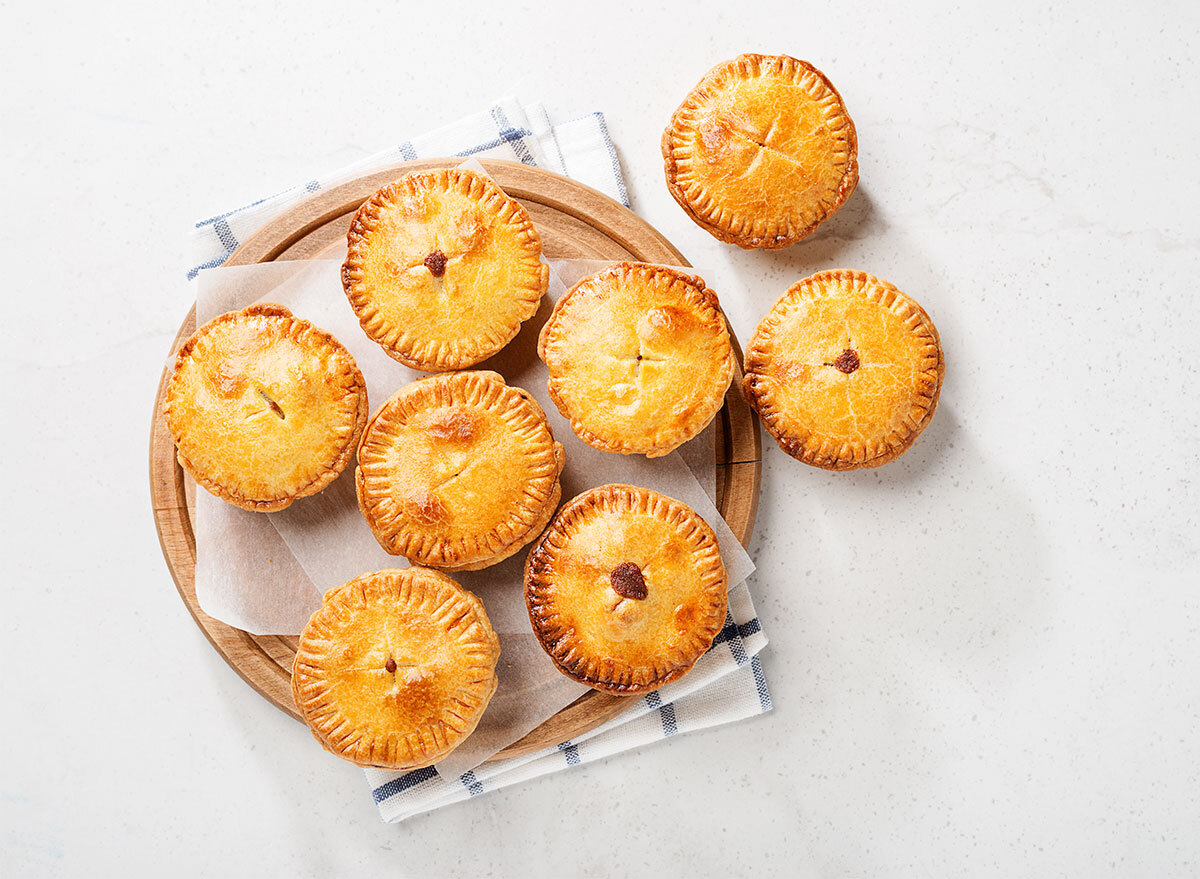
[727, 683]
[580, 148]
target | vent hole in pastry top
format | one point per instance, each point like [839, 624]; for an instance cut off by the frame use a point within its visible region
[628, 582]
[275, 407]
[847, 361]
[390, 665]
[436, 263]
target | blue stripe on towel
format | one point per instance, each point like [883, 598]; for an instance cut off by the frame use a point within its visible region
[513, 136]
[403, 783]
[473, 785]
[760, 683]
[570, 752]
[612, 157]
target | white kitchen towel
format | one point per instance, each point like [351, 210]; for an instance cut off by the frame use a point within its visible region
[579, 148]
[727, 683]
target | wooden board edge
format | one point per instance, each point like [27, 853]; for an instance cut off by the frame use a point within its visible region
[593, 707]
[740, 451]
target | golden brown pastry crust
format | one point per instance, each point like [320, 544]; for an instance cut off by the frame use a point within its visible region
[396, 668]
[761, 151]
[639, 358]
[845, 371]
[441, 269]
[264, 407]
[626, 589]
[458, 471]
[515, 545]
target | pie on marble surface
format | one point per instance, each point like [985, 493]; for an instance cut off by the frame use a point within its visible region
[845, 371]
[761, 151]
[626, 589]
[441, 269]
[396, 668]
[458, 471]
[264, 407]
[639, 358]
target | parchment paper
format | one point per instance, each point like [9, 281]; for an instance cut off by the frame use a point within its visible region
[265, 573]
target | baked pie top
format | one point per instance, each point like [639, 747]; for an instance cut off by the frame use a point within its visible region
[845, 370]
[761, 151]
[442, 267]
[456, 469]
[639, 358]
[626, 589]
[395, 668]
[264, 407]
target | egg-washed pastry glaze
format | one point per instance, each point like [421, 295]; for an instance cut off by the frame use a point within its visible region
[458, 471]
[264, 407]
[761, 151]
[396, 668]
[442, 268]
[845, 371]
[639, 358]
[626, 589]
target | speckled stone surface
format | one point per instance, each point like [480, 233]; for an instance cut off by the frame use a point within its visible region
[983, 656]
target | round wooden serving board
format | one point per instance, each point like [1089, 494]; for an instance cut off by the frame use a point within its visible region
[575, 222]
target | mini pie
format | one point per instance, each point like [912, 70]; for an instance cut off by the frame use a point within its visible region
[639, 358]
[761, 151]
[442, 267]
[845, 371]
[264, 407]
[395, 668]
[458, 471]
[626, 589]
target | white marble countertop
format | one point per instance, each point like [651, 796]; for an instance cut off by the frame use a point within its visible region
[984, 657]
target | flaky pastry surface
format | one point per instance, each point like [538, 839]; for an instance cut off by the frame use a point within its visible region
[845, 370]
[442, 267]
[639, 358]
[396, 668]
[264, 407]
[626, 589]
[761, 151]
[458, 471]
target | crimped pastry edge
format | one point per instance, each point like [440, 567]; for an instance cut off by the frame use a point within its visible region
[701, 416]
[427, 760]
[846, 187]
[539, 560]
[434, 355]
[334, 468]
[773, 418]
[484, 555]
[519, 542]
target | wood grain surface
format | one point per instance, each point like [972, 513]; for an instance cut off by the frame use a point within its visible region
[575, 222]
